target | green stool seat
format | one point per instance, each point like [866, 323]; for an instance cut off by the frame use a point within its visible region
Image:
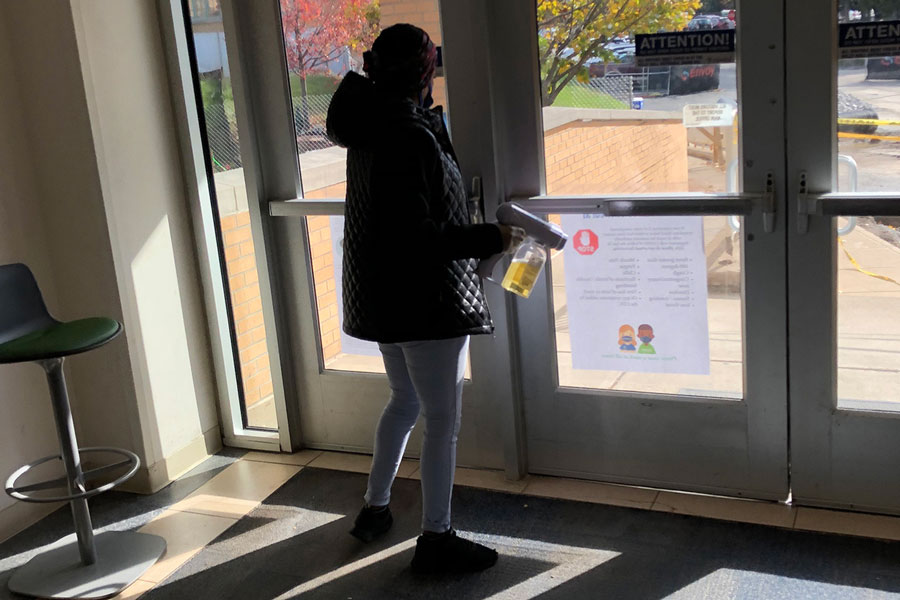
[87, 566]
[60, 339]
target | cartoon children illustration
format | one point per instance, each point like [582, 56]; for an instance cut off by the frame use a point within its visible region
[645, 334]
[626, 338]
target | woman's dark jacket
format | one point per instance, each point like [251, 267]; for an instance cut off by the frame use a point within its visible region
[409, 247]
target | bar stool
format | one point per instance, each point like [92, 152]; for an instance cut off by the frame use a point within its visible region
[89, 566]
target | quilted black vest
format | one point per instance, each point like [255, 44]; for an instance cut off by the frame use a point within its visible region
[410, 251]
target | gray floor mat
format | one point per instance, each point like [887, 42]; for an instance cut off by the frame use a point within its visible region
[295, 545]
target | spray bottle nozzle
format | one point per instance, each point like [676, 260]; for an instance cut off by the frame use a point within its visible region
[541, 234]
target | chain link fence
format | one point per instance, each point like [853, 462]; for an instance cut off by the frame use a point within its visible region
[309, 125]
[653, 80]
[619, 92]
[310, 113]
[309, 122]
[221, 134]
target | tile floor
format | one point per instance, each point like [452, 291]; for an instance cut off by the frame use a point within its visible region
[193, 521]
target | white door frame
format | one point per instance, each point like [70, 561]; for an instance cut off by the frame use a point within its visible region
[199, 186]
[490, 52]
[334, 409]
[840, 457]
[701, 444]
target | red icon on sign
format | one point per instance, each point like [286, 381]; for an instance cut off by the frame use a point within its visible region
[586, 242]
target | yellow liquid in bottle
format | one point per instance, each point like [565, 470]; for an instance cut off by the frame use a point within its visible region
[520, 277]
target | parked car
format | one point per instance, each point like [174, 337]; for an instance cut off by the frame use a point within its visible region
[701, 22]
[618, 43]
[885, 67]
[622, 63]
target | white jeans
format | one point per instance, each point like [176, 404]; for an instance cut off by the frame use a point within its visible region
[426, 376]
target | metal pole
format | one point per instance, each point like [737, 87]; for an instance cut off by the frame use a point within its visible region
[68, 445]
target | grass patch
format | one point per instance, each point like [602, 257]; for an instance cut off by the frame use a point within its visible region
[316, 85]
[212, 94]
[584, 97]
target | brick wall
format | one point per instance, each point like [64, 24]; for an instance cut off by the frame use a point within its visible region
[323, 272]
[240, 262]
[243, 282]
[421, 13]
[626, 157]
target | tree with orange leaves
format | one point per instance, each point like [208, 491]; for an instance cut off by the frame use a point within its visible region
[317, 32]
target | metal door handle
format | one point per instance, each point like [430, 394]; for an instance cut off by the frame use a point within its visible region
[662, 205]
[838, 204]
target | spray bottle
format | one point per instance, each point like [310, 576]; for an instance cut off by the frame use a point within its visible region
[529, 258]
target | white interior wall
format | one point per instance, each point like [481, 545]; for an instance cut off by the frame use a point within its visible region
[134, 132]
[92, 198]
[26, 427]
[67, 190]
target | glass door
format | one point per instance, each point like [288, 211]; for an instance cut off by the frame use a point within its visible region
[844, 141]
[290, 57]
[653, 351]
[724, 317]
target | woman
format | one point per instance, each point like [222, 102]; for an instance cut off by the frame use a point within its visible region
[409, 278]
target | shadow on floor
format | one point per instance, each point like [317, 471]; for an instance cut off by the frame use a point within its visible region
[118, 511]
[295, 545]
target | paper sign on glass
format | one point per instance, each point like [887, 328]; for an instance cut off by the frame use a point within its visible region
[709, 115]
[636, 293]
[349, 345]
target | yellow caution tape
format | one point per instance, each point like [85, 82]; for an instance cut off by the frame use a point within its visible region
[866, 122]
[863, 271]
[868, 136]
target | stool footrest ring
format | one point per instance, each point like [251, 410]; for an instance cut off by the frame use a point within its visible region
[131, 462]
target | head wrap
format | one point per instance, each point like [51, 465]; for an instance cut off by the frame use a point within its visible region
[402, 60]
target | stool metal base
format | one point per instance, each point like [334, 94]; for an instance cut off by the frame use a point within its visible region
[58, 573]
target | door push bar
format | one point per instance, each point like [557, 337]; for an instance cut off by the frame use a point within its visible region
[660, 205]
[842, 204]
[731, 176]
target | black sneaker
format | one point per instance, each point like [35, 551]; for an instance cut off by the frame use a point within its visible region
[371, 523]
[448, 553]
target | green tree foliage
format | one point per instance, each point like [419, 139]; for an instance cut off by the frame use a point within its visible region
[317, 32]
[573, 31]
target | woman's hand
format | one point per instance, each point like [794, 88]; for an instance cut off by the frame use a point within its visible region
[512, 237]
